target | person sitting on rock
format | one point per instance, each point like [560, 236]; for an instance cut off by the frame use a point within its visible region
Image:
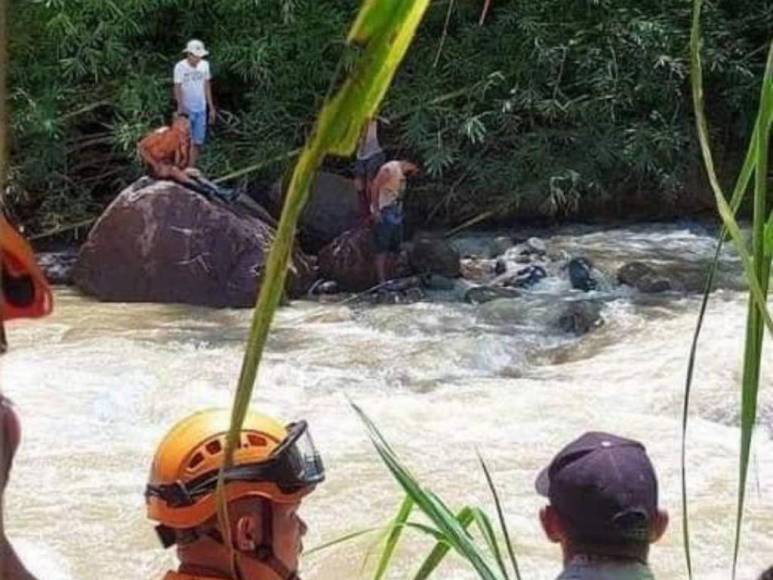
[166, 153]
[603, 508]
[370, 158]
[274, 467]
[24, 293]
[387, 210]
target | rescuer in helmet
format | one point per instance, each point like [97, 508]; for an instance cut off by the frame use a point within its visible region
[274, 468]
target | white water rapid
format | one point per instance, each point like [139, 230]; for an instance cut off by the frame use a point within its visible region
[97, 385]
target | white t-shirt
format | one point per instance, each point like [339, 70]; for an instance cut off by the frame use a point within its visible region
[192, 80]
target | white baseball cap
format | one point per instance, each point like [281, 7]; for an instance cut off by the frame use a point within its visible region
[196, 48]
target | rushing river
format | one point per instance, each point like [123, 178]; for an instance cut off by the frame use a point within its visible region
[97, 385]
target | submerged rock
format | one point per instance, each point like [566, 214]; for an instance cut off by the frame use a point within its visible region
[160, 242]
[580, 317]
[499, 246]
[643, 277]
[434, 255]
[581, 274]
[58, 267]
[350, 260]
[526, 277]
[482, 294]
[437, 282]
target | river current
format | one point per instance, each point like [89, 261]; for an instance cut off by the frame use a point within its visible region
[97, 386]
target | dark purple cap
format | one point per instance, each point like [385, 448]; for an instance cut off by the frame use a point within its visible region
[604, 488]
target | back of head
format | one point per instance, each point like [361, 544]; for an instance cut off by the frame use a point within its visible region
[767, 574]
[604, 490]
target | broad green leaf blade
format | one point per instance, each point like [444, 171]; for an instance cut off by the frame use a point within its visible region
[441, 549]
[501, 516]
[384, 30]
[393, 538]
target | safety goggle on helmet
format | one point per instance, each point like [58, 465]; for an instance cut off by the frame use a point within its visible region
[275, 462]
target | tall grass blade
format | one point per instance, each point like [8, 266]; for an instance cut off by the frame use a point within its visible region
[383, 30]
[489, 536]
[441, 549]
[755, 328]
[501, 516]
[393, 538]
[342, 540]
[756, 267]
[432, 506]
[725, 212]
[747, 171]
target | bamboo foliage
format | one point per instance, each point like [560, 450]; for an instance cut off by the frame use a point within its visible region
[382, 32]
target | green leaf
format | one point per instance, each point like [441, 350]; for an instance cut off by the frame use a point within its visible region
[441, 549]
[429, 503]
[393, 538]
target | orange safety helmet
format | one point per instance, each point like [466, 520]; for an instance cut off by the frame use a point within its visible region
[277, 463]
[25, 291]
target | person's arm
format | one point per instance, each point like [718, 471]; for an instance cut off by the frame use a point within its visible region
[178, 88]
[208, 94]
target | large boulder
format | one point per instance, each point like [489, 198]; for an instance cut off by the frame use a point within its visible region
[643, 277]
[160, 242]
[351, 261]
[430, 254]
[333, 208]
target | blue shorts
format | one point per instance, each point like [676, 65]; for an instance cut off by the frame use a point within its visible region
[198, 121]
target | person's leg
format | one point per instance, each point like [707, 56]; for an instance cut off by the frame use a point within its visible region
[372, 165]
[360, 183]
[381, 259]
[198, 135]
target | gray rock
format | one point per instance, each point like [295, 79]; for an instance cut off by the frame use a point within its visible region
[482, 294]
[499, 246]
[644, 278]
[58, 267]
[580, 318]
[435, 255]
[536, 246]
[437, 282]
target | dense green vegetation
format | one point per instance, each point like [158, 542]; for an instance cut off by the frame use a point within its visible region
[550, 107]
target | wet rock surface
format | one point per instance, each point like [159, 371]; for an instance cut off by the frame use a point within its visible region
[160, 242]
[644, 278]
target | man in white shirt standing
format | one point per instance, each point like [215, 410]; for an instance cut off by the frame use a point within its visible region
[193, 93]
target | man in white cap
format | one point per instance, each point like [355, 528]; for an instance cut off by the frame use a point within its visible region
[193, 93]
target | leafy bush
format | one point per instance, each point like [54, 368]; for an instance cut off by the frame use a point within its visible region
[549, 108]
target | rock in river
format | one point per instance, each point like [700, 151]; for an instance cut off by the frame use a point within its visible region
[160, 242]
[643, 277]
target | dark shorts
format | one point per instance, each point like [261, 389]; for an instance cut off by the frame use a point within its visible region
[368, 168]
[387, 237]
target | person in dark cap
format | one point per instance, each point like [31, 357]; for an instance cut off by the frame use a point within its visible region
[603, 508]
[767, 574]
